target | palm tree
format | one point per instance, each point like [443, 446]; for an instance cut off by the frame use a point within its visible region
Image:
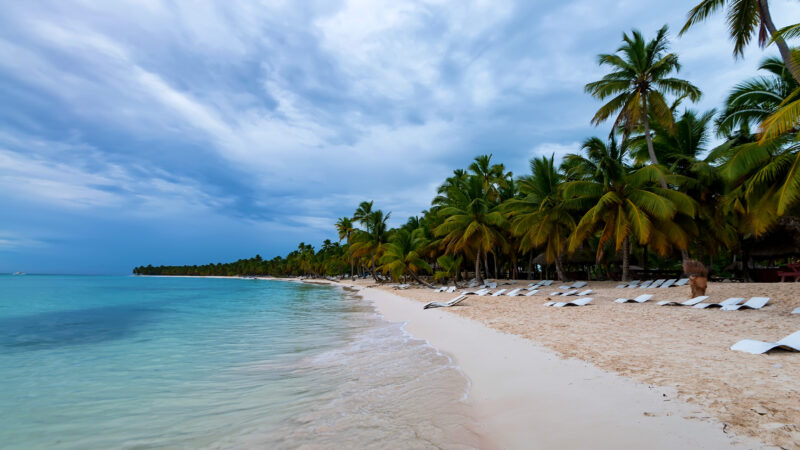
[541, 217]
[450, 266]
[752, 101]
[472, 223]
[493, 176]
[402, 255]
[630, 207]
[345, 228]
[745, 19]
[362, 212]
[639, 79]
[370, 242]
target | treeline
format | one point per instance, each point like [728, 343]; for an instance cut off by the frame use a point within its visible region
[653, 193]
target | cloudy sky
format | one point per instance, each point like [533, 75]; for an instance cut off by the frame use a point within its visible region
[183, 132]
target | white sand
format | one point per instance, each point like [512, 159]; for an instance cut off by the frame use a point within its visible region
[528, 397]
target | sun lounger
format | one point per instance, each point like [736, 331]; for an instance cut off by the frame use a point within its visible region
[668, 283]
[657, 283]
[690, 302]
[441, 289]
[565, 286]
[452, 302]
[645, 284]
[578, 284]
[623, 285]
[640, 299]
[795, 311]
[478, 292]
[578, 302]
[722, 304]
[753, 303]
[547, 282]
[633, 284]
[451, 289]
[790, 342]
[568, 293]
[533, 285]
[514, 292]
[586, 292]
[681, 282]
[499, 292]
[535, 291]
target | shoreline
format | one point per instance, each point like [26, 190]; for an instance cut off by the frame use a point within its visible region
[636, 375]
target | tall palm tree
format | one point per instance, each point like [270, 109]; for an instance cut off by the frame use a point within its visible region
[362, 212]
[493, 176]
[541, 217]
[632, 206]
[345, 228]
[370, 242]
[745, 19]
[640, 77]
[402, 254]
[472, 223]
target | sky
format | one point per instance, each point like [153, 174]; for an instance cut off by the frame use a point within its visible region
[139, 132]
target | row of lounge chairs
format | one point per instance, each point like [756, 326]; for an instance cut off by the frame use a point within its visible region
[660, 283]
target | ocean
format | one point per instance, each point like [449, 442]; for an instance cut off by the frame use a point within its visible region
[100, 362]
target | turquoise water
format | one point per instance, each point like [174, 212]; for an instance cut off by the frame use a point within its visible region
[131, 362]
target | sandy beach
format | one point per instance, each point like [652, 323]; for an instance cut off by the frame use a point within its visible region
[614, 374]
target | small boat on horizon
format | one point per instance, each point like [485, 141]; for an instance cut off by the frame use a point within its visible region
[18, 273]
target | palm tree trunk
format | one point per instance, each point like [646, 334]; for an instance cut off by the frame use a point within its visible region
[478, 276]
[649, 140]
[486, 264]
[626, 260]
[374, 272]
[494, 257]
[530, 265]
[418, 280]
[786, 54]
[562, 276]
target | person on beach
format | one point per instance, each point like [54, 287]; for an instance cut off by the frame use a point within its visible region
[698, 276]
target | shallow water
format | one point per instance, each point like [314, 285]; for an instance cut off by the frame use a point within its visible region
[129, 362]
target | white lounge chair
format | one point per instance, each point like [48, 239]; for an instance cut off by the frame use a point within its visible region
[535, 291]
[568, 293]
[447, 304]
[645, 284]
[657, 283]
[513, 292]
[451, 289]
[547, 282]
[640, 299]
[623, 285]
[534, 285]
[578, 284]
[565, 286]
[668, 283]
[633, 284]
[790, 342]
[586, 292]
[681, 282]
[753, 303]
[795, 311]
[441, 289]
[478, 292]
[690, 302]
[499, 292]
[722, 304]
[577, 302]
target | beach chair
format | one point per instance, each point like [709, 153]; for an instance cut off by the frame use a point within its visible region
[795, 311]
[513, 292]
[547, 282]
[499, 292]
[451, 289]
[478, 292]
[790, 342]
[578, 302]
[722, 304]
[657, 283]
[681, 282]
[668, 283]
[535, 291]
[447, 304]
[623, 285]
[586, 292]
[633, 284]
[565, 286]
[565, 294]
[441, 289]
[753, 303]
[578, 284]
[534, 285]
[640, 299]
[645, 284]
[690, 302]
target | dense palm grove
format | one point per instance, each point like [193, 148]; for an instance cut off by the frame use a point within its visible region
[653, 192]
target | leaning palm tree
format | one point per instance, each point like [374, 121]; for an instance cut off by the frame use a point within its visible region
[370, 243]
[449, 268]
[401, 255]
[640, 77]
[745, 19]
[541, 217]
